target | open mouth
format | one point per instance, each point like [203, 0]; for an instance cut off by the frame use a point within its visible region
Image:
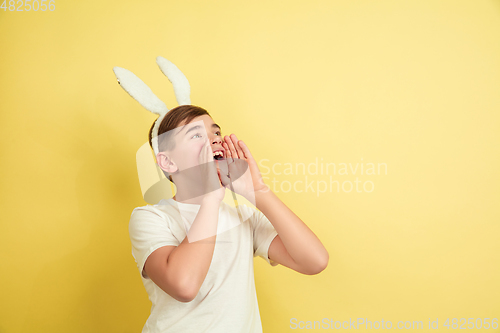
[218, 155]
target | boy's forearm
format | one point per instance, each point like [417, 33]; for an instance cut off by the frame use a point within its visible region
[188, 264]
[300, 242]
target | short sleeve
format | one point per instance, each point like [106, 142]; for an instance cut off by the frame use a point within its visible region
[149, 230]
[263, 235]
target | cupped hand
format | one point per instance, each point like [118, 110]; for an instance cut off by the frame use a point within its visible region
[249, 181]
[210, 178]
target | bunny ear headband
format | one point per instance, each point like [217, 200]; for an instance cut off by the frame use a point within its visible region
[145, 96]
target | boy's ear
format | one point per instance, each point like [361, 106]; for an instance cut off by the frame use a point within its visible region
[166, 163]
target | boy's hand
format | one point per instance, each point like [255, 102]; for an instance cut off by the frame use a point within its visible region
[251, 180]
[210, 177]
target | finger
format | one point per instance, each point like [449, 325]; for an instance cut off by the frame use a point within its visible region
[227, 153]
[210, 152]
[206, 153]
[245, 150]
[206, 160]
[231, 146]
[237, 147]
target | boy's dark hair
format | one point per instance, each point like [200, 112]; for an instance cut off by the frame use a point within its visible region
[171, 121]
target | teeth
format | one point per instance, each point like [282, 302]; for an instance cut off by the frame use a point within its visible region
[218, 153]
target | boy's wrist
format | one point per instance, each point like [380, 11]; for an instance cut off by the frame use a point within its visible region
[262, 195]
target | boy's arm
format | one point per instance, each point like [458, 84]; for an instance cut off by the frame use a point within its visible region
[296, 246]
[180, 270]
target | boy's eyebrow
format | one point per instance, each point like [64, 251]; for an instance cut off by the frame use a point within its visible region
[194, 128]
[197, 127]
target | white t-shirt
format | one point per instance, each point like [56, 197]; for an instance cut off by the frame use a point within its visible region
[227, 301]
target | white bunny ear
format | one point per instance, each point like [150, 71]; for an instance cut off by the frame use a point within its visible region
[179, 81]
[139, 91]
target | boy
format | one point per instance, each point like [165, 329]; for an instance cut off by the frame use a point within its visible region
[195, 253]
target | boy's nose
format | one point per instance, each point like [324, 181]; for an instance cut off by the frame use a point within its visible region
[217, 140]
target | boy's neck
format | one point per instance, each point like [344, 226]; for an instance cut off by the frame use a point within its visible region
[191, 201]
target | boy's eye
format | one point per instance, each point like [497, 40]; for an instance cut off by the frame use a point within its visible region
[218, 133]
[196, 135]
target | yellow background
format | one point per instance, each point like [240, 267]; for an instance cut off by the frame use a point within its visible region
[413, 84]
